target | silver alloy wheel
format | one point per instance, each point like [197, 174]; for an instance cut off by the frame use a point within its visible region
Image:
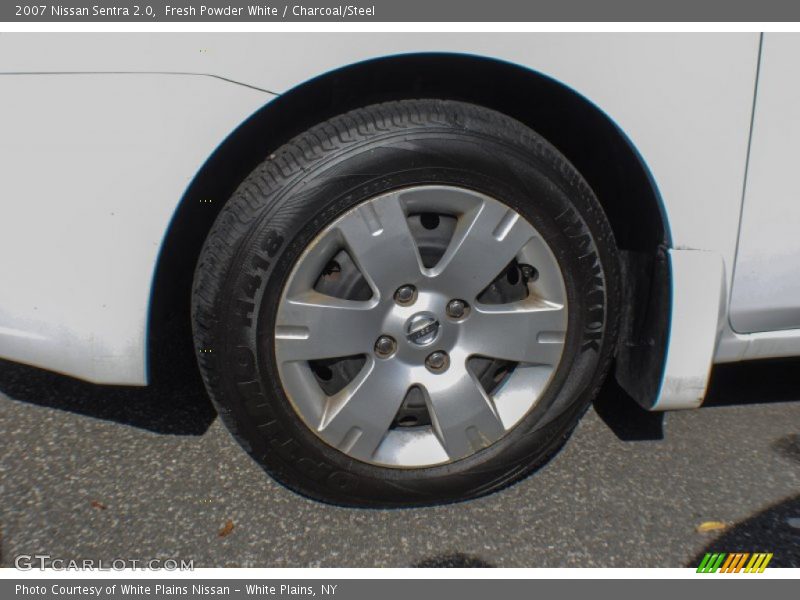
[464, 417]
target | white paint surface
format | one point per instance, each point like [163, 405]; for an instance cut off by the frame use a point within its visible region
[698, 300]
[92, 170]
[766, 287]
[95, 165]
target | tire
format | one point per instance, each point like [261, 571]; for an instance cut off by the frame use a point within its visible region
[259, 240]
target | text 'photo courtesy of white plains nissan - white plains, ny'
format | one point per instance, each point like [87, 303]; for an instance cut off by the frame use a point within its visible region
[405, 262]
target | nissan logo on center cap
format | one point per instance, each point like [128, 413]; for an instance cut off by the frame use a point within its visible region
[422, 329]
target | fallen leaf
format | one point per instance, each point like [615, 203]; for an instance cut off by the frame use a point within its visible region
[711, 526]
[100, 505]
[226, 529]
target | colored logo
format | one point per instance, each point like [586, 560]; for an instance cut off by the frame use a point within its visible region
[745, 562]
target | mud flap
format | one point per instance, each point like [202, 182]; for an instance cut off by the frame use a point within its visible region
[698, 304]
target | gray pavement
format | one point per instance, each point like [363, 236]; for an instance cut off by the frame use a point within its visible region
[106, 473]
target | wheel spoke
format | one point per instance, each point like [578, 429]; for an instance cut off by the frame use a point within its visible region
[381, 244]
[486, 239]
[523, 334]
[358, 417]
[463, 416]
[314, 326]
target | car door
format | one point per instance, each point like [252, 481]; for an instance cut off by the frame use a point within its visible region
[766, 284]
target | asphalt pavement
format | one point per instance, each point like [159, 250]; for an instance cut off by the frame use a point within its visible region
[108, 473]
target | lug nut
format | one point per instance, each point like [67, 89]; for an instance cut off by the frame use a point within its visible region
[437, 362]
[457, 309]
[385, 346]
[405, 295]
[529, 273]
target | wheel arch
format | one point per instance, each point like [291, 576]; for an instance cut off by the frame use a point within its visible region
[588, 137]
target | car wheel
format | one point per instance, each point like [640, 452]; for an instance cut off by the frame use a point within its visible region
[411, 303]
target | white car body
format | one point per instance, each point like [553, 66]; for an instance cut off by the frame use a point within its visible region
[101, 135]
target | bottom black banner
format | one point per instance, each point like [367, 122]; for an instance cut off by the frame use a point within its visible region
[393, 589]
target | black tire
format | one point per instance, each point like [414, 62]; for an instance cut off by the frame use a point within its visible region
[324, 172]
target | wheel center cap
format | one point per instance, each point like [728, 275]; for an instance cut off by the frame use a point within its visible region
[422, 329]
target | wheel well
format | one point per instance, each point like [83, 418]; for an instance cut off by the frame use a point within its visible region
[581, 131]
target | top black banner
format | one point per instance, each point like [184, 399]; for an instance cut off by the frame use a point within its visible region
[401, 10]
